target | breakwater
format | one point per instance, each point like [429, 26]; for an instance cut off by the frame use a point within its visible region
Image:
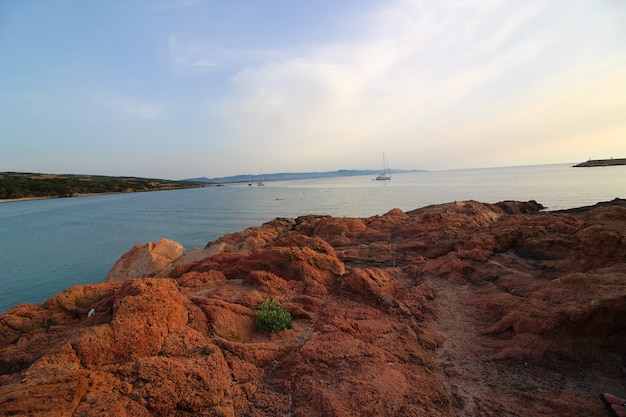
[601, 163]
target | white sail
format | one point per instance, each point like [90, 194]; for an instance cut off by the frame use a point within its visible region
[386, 175]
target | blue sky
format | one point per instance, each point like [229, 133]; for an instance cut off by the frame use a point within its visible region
[188, 88]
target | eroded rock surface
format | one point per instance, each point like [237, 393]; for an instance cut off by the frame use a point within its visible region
[146, 260]
[460, 309]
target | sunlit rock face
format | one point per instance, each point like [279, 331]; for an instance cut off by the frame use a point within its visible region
[459, 309]
[145, 260]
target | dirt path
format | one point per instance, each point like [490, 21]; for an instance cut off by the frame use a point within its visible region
[480, 386]
[460, 356]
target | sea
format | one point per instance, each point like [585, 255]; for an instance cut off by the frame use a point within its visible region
[49, 245]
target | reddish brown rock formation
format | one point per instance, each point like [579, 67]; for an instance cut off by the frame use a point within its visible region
[461, 309]
[145, 260]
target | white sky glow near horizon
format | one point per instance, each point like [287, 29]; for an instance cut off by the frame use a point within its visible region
[188, 88]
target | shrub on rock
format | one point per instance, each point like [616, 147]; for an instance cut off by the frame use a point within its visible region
[272, 317]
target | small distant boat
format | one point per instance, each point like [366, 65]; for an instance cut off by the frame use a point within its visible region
[260, 182]
[386, 175]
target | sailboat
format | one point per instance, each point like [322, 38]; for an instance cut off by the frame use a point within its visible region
[386, 175]
[260, 182]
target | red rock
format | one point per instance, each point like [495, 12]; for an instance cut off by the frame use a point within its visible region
[372, 284]
[145, 260]
[460, 309]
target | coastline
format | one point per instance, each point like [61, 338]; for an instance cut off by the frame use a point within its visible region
[16, 200]
[117, 222]
[24, 186]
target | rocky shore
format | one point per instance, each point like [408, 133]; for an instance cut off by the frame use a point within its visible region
[460, 309]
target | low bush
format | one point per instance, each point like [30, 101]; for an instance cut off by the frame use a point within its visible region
[271, 317]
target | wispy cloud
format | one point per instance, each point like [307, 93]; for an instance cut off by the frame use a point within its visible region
[130, 107]
[417, 67]
[142, 110]
[308, 87]
[201, 54]
[415, 58]
[190, 52]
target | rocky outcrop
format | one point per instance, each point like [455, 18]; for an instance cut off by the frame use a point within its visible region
[460, 309]
[146, 260]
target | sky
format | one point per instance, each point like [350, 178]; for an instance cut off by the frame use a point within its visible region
[189, 88]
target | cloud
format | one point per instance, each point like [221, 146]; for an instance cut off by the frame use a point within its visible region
[416, 70]
[130, 107]
[142, 110]
[190, 52]
[415, 59]
[201, 54]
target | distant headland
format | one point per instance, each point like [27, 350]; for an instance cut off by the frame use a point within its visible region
[285, 176]
[601, 162]
[28, 186]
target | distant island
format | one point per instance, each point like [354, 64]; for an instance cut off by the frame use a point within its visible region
[20, 185]
[601, 163]
[285, 176]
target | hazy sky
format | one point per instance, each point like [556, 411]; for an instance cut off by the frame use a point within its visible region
[188, 88]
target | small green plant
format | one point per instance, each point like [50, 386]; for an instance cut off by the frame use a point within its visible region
[271, 317]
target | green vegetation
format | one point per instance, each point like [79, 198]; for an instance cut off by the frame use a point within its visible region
[272, 317]
[15, 185]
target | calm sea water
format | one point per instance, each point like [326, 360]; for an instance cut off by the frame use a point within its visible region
[49, 245]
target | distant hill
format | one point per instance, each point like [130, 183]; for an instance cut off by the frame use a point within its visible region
[284, 176]
[23, 185]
